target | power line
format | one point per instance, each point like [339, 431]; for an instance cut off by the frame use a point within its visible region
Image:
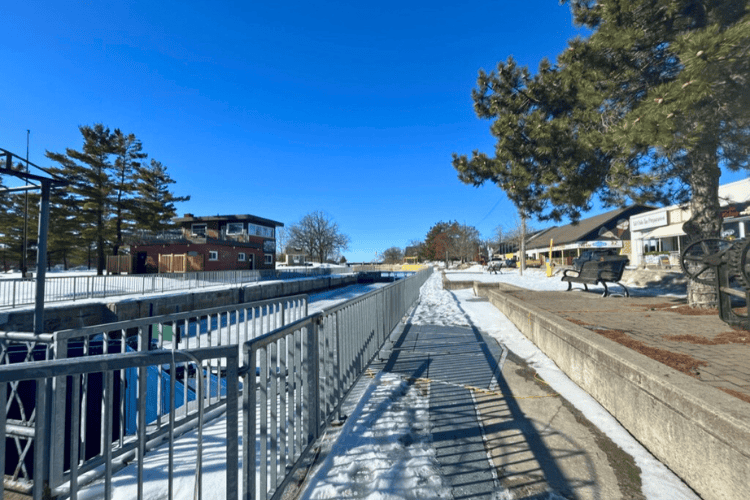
[491, 210]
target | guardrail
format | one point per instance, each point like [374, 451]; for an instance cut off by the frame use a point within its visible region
[108, 459]
[22, 291]
[304, 372]
[297, 371]
[221, 326]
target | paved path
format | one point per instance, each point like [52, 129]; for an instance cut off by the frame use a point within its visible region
[452, 358]
[496, 429]
[724, 352]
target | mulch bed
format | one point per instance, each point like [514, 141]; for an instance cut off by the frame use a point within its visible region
[737, 394]
[737, 336]
[684, 309]
[680, 362]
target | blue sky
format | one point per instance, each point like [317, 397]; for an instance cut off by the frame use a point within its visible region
[280, 109]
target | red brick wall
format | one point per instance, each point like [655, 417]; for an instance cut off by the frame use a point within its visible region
[227, 258]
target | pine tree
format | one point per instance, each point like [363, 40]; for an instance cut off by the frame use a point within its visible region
[154, 207]
[644, 110]
[127, 165]
[91, 185]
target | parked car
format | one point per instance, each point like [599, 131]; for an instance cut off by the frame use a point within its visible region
[600, 254]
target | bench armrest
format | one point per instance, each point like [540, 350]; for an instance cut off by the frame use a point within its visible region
[566, 271]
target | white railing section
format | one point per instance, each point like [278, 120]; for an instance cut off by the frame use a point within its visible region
[22, 291]
[220, 326]
[299, 375]
[78, 373]
[87, 422]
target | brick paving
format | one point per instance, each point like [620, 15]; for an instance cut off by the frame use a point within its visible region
[650, 321]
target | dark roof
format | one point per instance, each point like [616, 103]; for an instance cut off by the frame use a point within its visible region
[229, 218]
[585, 230]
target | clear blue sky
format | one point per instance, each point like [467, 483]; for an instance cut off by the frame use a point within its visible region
[278, 109]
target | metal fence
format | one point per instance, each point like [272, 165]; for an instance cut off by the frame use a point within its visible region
[221, 326]
[21, 292]
[299, 375]
[86, 422]
[84, 467]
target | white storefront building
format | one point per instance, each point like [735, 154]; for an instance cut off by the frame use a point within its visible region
[660, 231]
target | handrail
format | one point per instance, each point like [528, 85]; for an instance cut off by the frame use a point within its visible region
[297, 371]
[17, 292]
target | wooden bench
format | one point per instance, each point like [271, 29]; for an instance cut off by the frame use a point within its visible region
[597, 271]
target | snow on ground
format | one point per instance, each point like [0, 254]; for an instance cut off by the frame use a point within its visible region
[329, 298]
[658, 482]
[536, 279]
[384, 450]
[441, 307]
[370, 459]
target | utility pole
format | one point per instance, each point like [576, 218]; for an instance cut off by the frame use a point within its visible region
[24, 267]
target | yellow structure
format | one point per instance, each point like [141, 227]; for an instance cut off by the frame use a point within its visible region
[549, 261]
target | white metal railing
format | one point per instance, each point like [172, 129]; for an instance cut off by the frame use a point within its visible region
[85, 466]
[304, 372]
[297, 370]
[22, 291]
[220, 326]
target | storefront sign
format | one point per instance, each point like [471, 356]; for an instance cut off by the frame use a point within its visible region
[601, 244]
[648, 221]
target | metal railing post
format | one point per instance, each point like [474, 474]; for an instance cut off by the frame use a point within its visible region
[41, 442]
[57, 425]
[314, 372]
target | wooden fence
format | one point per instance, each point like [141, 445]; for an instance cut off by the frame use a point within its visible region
[180, 263]
[119, 264]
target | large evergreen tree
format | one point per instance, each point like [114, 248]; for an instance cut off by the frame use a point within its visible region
[127, 164]
[88, 172]
[154, 207]
[646, 109]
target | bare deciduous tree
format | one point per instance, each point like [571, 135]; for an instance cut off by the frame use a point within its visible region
[393, 255]
[319, 236]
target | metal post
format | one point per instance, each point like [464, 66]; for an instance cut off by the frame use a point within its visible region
[41, 258]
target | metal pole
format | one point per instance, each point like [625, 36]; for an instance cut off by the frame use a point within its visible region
[41, 258]
[24, 267]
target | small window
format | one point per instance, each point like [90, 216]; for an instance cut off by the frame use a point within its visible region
[213, 255]
[241, 256]
[269, 258]
[199, 230]
[235, 228]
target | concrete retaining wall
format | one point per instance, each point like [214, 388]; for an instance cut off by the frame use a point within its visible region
[62, 317]
[700, 433]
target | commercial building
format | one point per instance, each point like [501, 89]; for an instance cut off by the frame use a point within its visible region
[211, 243]
[659, 232]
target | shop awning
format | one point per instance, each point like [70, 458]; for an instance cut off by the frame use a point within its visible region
[665, 232]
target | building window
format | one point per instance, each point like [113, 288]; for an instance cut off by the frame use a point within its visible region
[213, 255]
[255, 230]
[241, 257]
[235, 228]
[269, 258]
[199, 230]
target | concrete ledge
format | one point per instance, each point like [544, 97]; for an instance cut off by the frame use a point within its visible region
[66, 316]
[699, 432]
[457, 285]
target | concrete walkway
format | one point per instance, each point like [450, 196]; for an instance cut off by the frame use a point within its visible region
[451, 359]
[497, 430]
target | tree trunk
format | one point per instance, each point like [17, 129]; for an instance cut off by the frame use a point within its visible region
[705, 221]
[523, 243]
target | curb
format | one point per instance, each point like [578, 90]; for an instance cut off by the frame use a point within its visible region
[700, 433]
